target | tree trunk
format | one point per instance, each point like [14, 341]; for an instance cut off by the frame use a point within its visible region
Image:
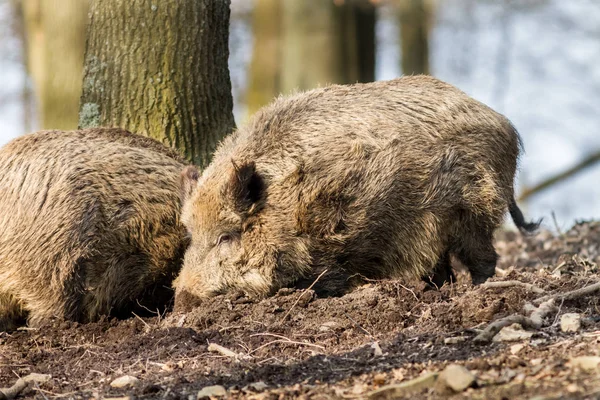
[415, 18]
[264, 81]
[159, 68]
[54, 47]
[363, 19]
[327, 42]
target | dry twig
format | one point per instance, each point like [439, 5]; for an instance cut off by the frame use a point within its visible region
[409, 290]
[217, 348]
[302, 294]
[143, 322]
[505, 284]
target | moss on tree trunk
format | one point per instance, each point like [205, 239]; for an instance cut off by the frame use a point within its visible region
[159, 68]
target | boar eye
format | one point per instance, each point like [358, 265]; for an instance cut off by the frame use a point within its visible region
[224, 238]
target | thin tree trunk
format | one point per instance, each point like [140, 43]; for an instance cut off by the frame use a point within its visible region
[264, 81]
[27, 97]
[55, 43]
[415, 17]
[327, 42]
[159, 68]
[364, 18]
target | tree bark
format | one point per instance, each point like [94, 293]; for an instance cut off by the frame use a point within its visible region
[54, 48]
[159, 68]
[415, 18]
[327, 42]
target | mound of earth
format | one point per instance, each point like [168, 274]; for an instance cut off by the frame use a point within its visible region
[387, 339]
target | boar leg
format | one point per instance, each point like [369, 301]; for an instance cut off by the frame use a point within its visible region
[442, 273]
[475, 250]
[12, 313]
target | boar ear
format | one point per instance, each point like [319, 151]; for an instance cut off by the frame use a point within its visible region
[188, 181]
[245, 186]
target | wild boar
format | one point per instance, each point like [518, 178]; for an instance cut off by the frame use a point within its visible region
[377, 180]
[89, 225]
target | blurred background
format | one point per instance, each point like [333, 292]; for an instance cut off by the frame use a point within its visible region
[533, 60]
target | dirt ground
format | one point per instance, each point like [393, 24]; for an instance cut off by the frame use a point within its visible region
[295, 345]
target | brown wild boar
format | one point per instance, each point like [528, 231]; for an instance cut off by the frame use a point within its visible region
[384, 179]
[89, 225]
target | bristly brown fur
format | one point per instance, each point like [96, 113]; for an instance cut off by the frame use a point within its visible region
[385, 179]
[90, 225]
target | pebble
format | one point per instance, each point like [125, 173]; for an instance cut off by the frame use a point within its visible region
[404, 388]
[454, 340]
[516, 348]
[328, 326]
[379, 379]
[455, 377]
[512, 333]
[124, 381]
[211, 391]
[586, 363]
[570, 322]
[258, 386]
[377, 352]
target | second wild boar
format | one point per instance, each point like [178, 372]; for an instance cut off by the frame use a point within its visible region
[89, 225]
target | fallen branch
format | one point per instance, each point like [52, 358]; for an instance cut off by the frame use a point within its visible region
[538, 314]
[545, 305]
[535, 321]
[573, 294]
[505, 284]
[21, 384]
[560, 177]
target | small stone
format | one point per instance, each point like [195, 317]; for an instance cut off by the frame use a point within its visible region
[573, 388]
[570, 322]
[516, 348]
[258, 386]
[455, 340]
[512, 333]
[358, 388]
[404, 388]
[455, 377]
[124, 381]
[398, 374]
[211, 391]
[586, 363]
[377, 352]
[328, 326]
[379, 379]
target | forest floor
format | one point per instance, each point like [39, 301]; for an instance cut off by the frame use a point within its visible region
[384, 340]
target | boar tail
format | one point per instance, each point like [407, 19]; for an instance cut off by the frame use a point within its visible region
[517, 217]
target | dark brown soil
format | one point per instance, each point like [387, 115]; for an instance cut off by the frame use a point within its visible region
[301, 346]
